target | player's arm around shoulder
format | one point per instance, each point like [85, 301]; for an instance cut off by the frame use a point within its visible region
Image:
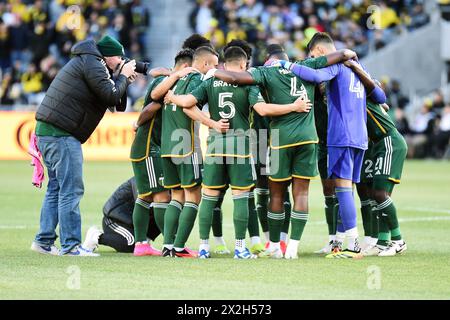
[162, 88]
[233, 77]
[275, 110]
[147, 113]
[198, 96]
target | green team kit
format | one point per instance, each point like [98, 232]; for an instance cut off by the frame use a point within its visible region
[145, 152]
[383, 162]
[180, 161]
[293, 136]
[228, 157]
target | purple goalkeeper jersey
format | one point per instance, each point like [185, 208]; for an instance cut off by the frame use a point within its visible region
[347, 116]
[346, 99]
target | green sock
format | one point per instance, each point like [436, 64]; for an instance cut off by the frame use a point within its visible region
[141, 217]
[330, 202]
[287, 213]
[388, 208]
[185, 225]
[262, 198]
[205, 215]
[171, 221]
[374, 220]
[366, 213]
[275, 220]
[253, 224]
[217, 217]
[240, 215]
[298, 220]
[159, 209]
[383, 229]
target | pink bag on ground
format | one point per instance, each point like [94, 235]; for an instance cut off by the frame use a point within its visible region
[36, 162]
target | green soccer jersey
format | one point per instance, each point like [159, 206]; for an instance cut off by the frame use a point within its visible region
[148, 136]
[379, 123]
[283, 87]
[232, 102]
[177, 139]
[321, 115]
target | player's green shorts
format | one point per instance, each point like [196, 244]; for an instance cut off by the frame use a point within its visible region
[184, 172]
[149, 175]
[388, 156]
[322, 160]
[238, 173]
[367, 167]
[298, 162]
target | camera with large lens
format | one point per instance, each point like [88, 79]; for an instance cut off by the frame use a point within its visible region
[141, 67]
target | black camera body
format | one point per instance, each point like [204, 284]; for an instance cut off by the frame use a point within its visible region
[141, 67]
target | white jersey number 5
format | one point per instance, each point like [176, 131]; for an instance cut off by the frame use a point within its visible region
[229, 104]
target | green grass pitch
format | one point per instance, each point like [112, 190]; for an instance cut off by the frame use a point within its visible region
[423, 272]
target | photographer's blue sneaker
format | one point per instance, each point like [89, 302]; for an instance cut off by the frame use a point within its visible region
[245, 254]
[79, 251]
[51, 250]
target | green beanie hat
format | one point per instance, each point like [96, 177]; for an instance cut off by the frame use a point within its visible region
[108, 47]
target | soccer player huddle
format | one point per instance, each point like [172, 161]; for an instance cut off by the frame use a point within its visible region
[270, 128]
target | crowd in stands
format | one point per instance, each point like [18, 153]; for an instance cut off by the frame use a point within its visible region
[36, 38]
[427, 130]
[354, 24]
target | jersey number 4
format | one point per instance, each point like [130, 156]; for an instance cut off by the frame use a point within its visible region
[298, 93]
[223, 103]
[356, 86]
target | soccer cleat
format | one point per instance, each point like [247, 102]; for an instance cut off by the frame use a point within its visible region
[291, 250]
[275, 253]
[145, 249]
[221, 249]
[336, 246]
[79, 251]
[204, 254]
[257, 248]
[346, 254]
[283, 246]
[395, 247]
[244, 254]
[185, 253]
[326, 249]
[166, 252]
[372, 251]
[91, 239]
[50, 250]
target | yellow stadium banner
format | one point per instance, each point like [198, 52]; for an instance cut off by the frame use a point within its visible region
[110, 141]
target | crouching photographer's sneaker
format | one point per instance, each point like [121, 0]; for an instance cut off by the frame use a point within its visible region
[79, 251]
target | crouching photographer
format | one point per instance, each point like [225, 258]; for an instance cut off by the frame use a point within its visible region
[117, 223]
[74, 104]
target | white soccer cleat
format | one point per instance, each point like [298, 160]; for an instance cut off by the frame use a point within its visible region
[371, 251]
[273, 253]
[394, 248]
[50, 250]
[367, 242]
[326, 249]
[291, 250]
[91, 239]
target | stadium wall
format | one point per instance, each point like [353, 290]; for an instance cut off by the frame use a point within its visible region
[110, 141]
[414, 59]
